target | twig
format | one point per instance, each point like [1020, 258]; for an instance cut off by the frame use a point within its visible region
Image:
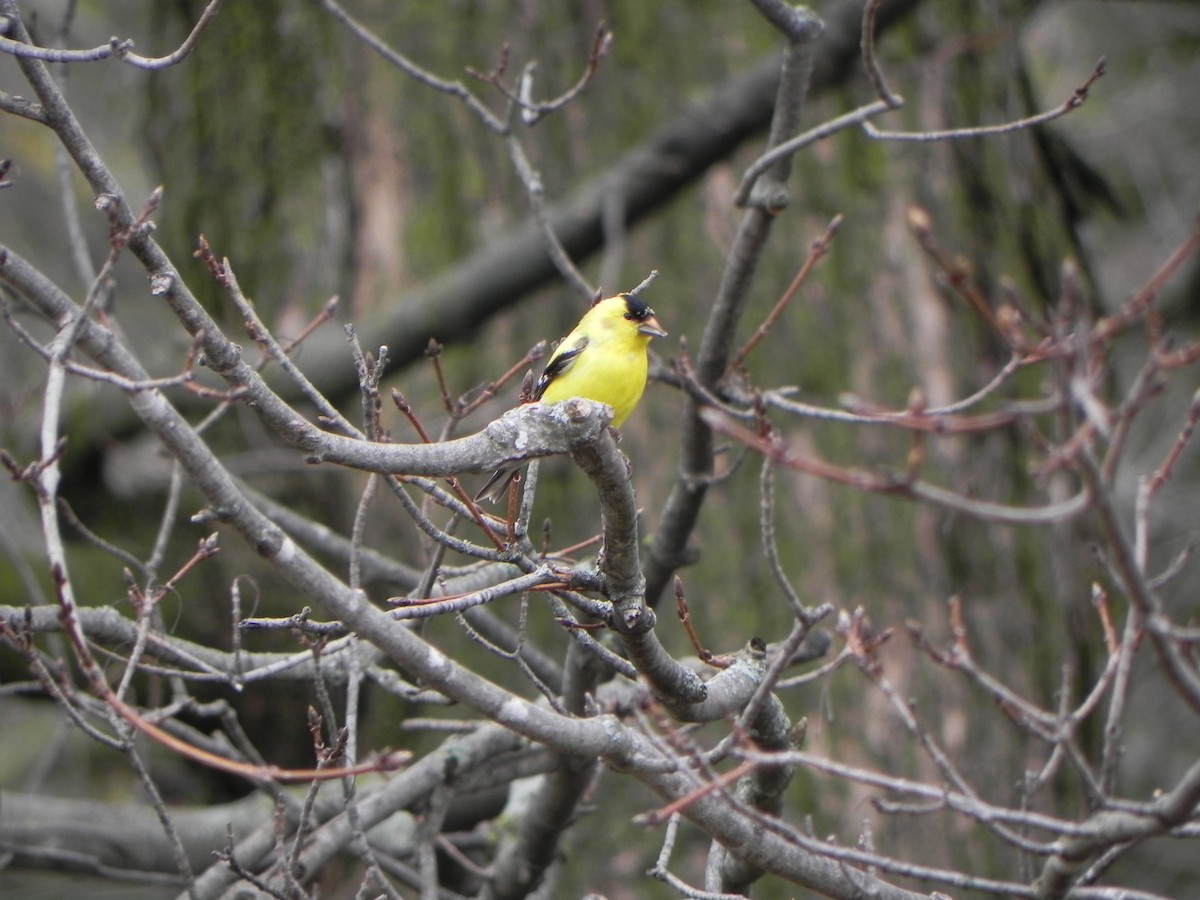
[536, 352]
[535, 190]
[793, 145]
[871, 62]
[957, 277]
[644, 283]
[689, 628]
[1179, 666]
[660, 871]
[121, 48]
[543, 578]
[1149, 486]
[455, 89]
[800, 630]
[819, 248]
[1072, 103]
[532, 111]
[515, 655]
[901, 487]
[766, 528]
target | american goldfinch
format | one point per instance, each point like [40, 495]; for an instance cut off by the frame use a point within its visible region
[603, 359]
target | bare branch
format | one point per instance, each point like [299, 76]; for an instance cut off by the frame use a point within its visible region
[1069, 105]
[121, 48]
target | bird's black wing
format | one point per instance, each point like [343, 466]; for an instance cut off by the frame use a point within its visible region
[558, 364]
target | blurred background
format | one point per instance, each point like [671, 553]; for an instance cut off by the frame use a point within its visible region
[320, 170]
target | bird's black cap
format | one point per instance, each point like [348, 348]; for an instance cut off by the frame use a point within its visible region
[636, 309]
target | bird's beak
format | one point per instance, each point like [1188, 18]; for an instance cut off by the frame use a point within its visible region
[652, 328]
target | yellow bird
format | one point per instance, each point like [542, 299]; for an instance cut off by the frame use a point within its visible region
[603, 359]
